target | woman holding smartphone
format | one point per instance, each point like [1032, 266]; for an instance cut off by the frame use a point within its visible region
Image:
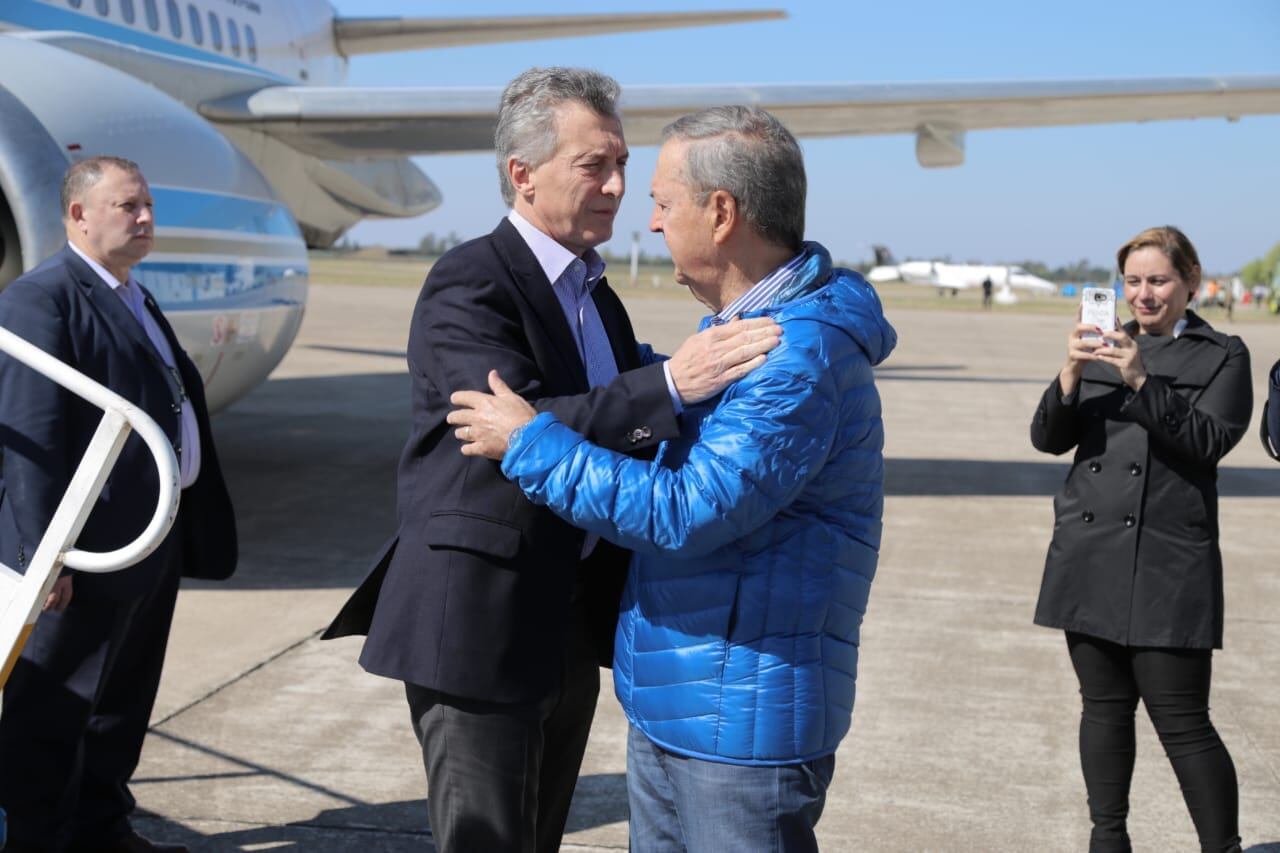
[1133, 574]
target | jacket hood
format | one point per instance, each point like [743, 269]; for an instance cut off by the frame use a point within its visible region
[837, 297]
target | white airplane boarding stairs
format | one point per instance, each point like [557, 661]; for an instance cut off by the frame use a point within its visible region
[22, 595]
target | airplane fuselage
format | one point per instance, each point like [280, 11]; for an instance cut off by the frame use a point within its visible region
[125, 77]
[955, 277]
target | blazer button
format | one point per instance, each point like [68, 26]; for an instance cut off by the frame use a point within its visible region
[1087, 516]
[1129, 520]
[1135, 469]
[1095, 467]
[1171, 420]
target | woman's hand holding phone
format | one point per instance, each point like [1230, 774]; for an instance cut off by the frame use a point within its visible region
[1082, 344]
[1124, 356]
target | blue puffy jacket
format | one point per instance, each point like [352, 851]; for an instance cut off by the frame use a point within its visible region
[756, 535]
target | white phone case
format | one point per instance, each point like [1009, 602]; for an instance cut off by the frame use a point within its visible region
[1098, 308]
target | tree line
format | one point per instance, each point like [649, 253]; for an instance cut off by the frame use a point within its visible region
[1262, 270]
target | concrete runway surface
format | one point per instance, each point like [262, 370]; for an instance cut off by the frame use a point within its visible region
[964, 735]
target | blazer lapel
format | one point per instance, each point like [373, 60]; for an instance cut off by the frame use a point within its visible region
[114, 309]
[532, 281]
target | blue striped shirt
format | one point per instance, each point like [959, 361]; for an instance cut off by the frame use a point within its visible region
[764, 292]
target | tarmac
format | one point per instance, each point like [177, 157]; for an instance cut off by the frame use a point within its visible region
[964, 734]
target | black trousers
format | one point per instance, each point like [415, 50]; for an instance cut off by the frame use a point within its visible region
[1174, 686]
[76, 711]
[501, 776]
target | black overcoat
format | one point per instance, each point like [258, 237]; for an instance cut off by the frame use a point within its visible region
[1134, 557]
[1270, 428]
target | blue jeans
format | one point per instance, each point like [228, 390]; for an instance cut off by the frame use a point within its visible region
[688, 804]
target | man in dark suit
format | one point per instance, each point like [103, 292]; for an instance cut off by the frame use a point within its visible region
[495, 613]
[77, 705]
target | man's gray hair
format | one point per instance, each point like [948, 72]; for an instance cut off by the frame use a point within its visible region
[749, 154]
[527, 116]
[82, 176]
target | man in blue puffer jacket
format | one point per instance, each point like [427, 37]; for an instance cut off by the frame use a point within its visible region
[756, 531]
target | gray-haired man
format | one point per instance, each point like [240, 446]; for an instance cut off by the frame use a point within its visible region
[756, 531]
[494, 612]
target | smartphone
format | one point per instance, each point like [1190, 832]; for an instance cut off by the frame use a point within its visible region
[1098, 308]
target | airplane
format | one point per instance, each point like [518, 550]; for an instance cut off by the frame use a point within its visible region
[957, 277]
[256, 151]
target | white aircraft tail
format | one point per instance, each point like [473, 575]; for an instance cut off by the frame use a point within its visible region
[22, 595]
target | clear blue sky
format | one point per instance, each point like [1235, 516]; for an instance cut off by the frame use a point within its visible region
[1056, 194]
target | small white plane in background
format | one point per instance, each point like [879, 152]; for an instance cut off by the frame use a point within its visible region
[957, 277]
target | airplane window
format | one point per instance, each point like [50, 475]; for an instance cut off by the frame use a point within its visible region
[233, 37]
[126, 11]
[175, 18]
[215, 32]
[197, 31]
[153, 15]
[103, 7]
[251, 43]
[74, 4]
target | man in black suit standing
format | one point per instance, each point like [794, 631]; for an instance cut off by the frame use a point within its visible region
[494, 613]
[78, 702]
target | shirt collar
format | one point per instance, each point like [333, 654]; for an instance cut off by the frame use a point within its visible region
[553, 258]
[111, 281]
[762, 293]
[1179, 326]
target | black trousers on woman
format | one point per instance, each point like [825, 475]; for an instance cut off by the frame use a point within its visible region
[1174, 686]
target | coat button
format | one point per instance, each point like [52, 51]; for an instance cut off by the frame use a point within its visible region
[1129, 520]
[1135, 469]
[1087, 516]
[1095, 467]
[1171, 420]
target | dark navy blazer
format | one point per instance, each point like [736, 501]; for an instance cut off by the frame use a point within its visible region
[65, 309]
[472, 595]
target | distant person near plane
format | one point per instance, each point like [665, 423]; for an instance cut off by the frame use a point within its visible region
[78, 703]
[757, 528]
[1134, 574]
[494, 613]
[986, 292]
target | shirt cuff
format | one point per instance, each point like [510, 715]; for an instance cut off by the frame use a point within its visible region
[671, 388]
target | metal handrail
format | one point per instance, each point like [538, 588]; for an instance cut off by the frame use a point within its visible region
[18, 614]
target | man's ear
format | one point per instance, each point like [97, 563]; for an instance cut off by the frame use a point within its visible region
[75, 214]
[724, 211]
[521, 177]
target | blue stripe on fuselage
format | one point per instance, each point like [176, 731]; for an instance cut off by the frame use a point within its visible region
[191, 286]
[34, 15]
[183, 208]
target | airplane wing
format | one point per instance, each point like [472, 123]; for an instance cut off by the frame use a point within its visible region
[378, 35]
[348, 123]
